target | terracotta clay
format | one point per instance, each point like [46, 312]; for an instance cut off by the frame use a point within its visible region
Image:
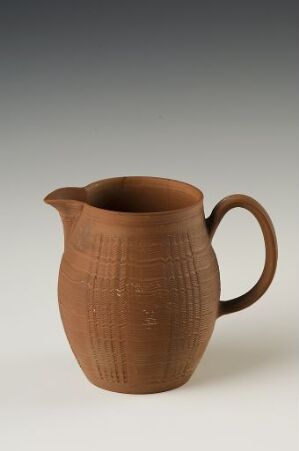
[139, 284]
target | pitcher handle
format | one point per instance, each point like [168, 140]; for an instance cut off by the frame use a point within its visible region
[240, 200]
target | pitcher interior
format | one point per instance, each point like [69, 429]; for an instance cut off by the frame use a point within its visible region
[141, 194]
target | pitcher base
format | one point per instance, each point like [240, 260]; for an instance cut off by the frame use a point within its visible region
[141, 390]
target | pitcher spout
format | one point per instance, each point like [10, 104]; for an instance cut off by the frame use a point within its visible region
[69, 203]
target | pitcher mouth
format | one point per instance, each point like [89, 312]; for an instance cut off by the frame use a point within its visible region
[142, 195]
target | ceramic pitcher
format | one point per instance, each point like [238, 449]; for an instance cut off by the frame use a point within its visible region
[139, 285]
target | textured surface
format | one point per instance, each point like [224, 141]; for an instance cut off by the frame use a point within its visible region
[138, 309]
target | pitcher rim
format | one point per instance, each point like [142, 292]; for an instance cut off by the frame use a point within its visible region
[96, 211]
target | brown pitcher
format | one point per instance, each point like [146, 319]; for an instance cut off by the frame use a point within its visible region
[139, 284]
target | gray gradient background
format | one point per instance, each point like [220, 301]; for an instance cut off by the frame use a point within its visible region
[204, 92]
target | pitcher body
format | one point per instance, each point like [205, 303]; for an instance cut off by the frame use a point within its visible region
[139, 285]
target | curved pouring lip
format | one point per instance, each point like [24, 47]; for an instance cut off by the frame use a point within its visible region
[66, 194]
[147, 186]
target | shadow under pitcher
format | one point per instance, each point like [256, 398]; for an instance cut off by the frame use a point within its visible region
[139, 285]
